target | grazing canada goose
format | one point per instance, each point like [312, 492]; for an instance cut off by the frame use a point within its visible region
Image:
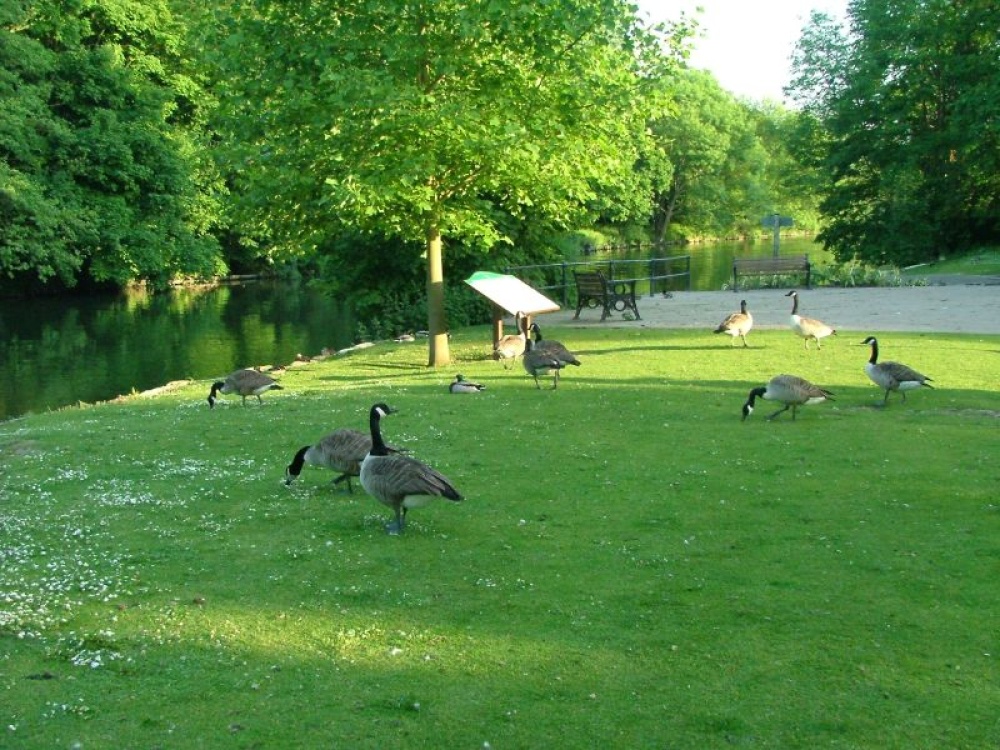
[892, 376]
[342, 450]
[737, 324]
[790, 390]
[399, 481]
[244, 383]
[808, 328]
[540, 362]
[555, 348]
[511, 346]
[461, 385]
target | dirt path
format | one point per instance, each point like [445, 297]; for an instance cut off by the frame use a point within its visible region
[947, 308]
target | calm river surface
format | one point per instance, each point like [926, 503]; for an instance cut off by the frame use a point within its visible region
[56, 352]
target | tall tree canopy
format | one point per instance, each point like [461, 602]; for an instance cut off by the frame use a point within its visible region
[425, 119]
[98, 166]
[718, 162]
[907, 97]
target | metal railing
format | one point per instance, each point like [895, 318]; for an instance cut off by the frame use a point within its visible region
[652, 275]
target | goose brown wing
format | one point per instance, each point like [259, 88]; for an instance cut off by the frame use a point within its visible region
[793, 386]
[345, 449]
[250, 379]
[902, 373]
[396, 476]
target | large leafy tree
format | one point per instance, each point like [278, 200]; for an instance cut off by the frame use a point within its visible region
[907, 97]
[717, 180]
[432, 119]
[99, 124]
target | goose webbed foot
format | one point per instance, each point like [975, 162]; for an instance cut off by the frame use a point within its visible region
[780, 411]
[395, 527]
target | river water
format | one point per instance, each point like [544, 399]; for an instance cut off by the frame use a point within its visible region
[56, 352]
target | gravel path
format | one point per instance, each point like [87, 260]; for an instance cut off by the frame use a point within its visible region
[964, 305]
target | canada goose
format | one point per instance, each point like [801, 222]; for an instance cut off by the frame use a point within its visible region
[790, 390]
[399, 481]
[244, 383]
[511, 346]
[892, 376]
[808, 328]
[461, 385]
[737, 324]
[342, 450]
[555, 348]
[540, 362]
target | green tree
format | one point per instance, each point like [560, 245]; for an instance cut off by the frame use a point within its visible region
[717, 181]
[432, 119]
[99, 164]
[908, 99]
[793, 182]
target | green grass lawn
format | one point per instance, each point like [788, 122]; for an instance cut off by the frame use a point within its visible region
[632, 566]
[982, 263]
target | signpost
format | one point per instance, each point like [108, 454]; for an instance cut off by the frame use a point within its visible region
[776, 222]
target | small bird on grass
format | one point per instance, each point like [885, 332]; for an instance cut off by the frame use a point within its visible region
[790, 390]
[808, 328]
[342, 451]
[511, 346]
[244, 383]
[892, 376]
[737, 324]
[461, 385]
[398, 481]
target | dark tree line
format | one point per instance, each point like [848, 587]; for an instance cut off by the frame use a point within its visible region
[103, 173]
[156, 139]
[904, 124]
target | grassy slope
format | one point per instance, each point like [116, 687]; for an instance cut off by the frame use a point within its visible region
[632, 567]
[982, 263]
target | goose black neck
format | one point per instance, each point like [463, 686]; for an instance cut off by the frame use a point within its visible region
[374, 421]
[874, 358]
[295, 467]
[755, 393]
[795, 303]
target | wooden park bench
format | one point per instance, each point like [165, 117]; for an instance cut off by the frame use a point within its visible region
[771, 266]
[594, 289]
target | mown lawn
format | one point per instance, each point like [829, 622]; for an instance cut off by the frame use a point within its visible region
[985, 262]
[632, 567]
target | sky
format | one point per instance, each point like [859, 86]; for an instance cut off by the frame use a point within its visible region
[746, 45]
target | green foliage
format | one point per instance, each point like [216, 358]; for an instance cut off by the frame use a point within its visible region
[853, 273]
[717, 165]
[99, 175]
[432, 120]
[912, 145]
[656, 571]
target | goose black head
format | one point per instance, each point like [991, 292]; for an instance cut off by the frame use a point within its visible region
[380, 410]
[751, 400]
[215, 389]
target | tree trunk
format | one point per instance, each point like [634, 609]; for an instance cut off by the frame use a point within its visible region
[437, 325]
